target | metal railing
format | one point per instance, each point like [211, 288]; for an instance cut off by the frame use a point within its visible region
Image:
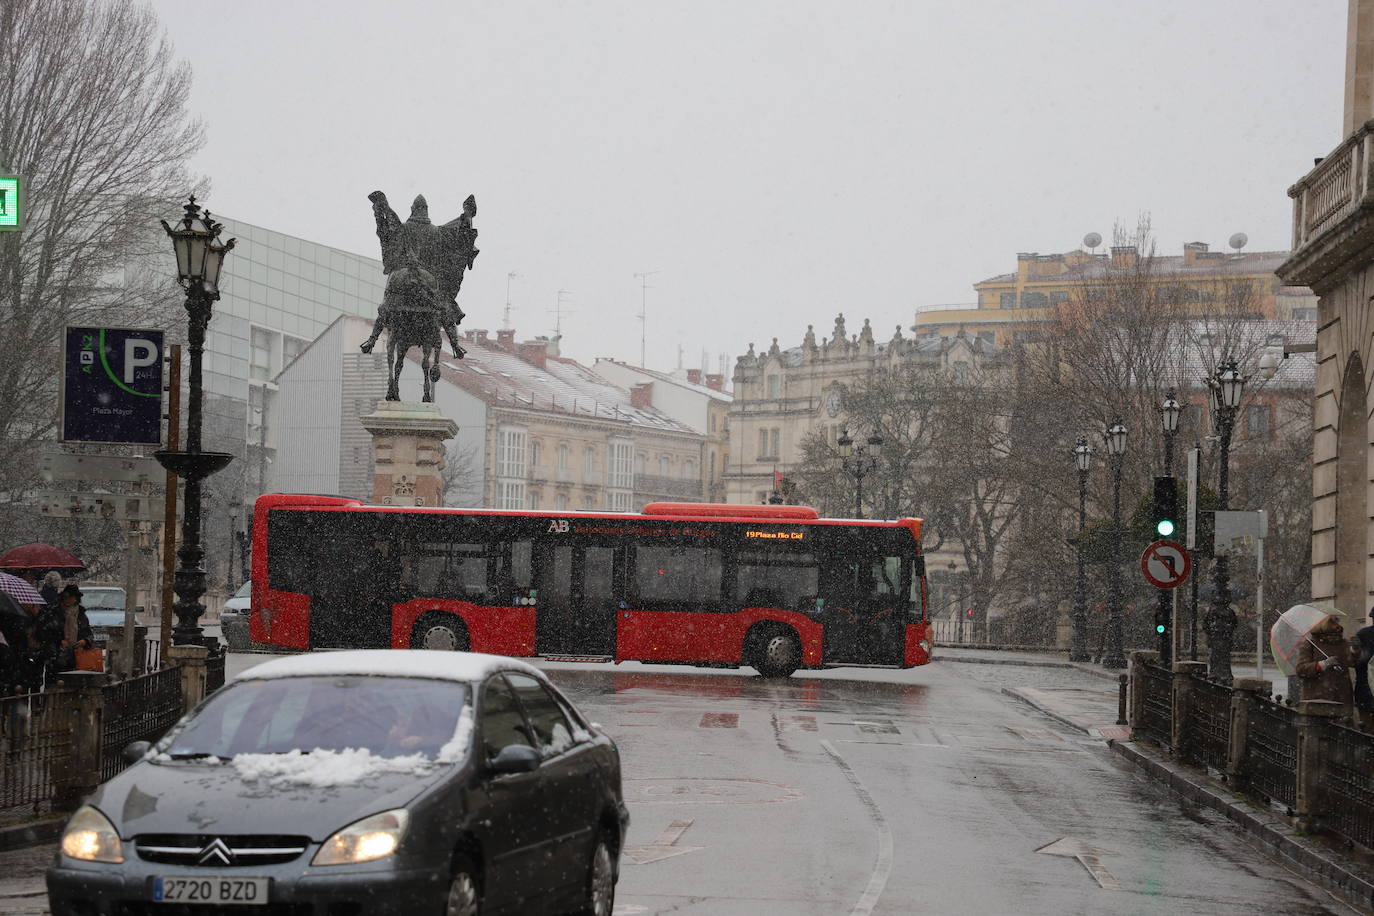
[1156, 702]
[35, 748]
[1206, 731]
[1269, 765]
[1347, 783]
[140, 709]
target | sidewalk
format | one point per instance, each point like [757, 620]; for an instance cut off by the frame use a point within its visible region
[22, 890]
[1093, 711]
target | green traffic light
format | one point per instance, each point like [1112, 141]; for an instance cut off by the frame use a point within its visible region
[1164, 527]
[1159, 628]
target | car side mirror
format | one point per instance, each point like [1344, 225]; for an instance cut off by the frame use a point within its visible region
[134, 752]
[515, 758]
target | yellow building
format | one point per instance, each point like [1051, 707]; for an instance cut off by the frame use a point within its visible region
[1200, 278]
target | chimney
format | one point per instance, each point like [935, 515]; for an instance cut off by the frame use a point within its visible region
[694, 376]
[505, 338]
[534, 352]
[1124, 256]
[479, 335]
[715, 382]
[642, 395]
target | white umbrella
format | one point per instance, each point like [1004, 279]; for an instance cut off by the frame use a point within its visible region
[1291, 630]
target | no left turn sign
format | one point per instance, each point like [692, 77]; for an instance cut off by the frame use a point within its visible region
[1165, 564]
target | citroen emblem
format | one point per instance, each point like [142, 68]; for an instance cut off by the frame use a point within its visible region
[214, 851]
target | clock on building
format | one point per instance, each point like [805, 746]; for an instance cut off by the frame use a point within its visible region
[832, 403]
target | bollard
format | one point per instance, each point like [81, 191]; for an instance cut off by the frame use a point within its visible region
[1121, 682]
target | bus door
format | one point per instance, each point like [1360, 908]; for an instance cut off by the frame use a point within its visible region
[865, 609]
[575, 599]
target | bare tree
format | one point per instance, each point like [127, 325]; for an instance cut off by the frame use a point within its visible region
[461, 480]
[93, 115]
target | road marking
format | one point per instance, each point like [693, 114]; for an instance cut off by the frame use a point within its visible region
[719, 720]
[704, 790]
[883, 867]
[665, 847]
[1088, 856]
[883, 727]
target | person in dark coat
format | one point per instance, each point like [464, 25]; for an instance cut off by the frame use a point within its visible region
[63, 628]
[1364, 698]
[1324, 662]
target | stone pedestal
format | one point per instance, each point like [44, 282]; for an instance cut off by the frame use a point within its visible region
[408, 453]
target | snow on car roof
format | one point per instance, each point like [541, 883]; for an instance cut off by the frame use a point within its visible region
[441, 665]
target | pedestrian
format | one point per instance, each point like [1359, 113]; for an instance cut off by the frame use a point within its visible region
[1324, 660]
[32, 654]
[51, 587]
[64, 628]
[1364, 698]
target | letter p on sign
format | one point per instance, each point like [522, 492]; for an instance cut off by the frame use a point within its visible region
[137, 354]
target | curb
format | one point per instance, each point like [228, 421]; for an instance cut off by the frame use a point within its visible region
[31, 834]
[1318, 862]
[1029, 663]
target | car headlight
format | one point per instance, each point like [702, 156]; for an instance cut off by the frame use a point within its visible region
[367, 840]
[90, 837]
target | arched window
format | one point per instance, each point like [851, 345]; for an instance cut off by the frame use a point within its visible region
[564, 457]
[536, 453]
[665, 466]
[589, 460]
[689, 469]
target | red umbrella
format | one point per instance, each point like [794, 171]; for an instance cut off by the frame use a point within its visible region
[41, 556]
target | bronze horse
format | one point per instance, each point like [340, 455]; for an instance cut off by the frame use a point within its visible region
[412, 316]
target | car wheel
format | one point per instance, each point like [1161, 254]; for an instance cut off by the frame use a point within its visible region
[777, 654]
[463, 898]
[443, 632]
[600, 883]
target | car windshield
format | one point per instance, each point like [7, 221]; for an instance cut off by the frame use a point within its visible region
[388, 717]
[107, 598]
[245, 590]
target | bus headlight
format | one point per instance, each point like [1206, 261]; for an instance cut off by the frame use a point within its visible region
[367, 840]
[90, 837]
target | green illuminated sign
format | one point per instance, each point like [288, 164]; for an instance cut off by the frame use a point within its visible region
[11, 203]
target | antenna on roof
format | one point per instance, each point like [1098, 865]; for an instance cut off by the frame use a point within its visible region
[558, 311]
[505, 320]
[1238, 241]
[643, 279]
[1092, 240]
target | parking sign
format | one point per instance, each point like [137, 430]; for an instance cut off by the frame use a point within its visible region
[112, 386]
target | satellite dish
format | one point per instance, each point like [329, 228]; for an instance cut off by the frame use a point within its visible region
[1092, 240]
[1238, 241]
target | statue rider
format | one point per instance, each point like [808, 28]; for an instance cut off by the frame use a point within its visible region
[445, 251]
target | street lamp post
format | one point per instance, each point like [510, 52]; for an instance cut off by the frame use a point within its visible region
[1169, 409]
[858, 463]
[200, 255]
[1227, 385]
[1083, 459]
[1115, 437]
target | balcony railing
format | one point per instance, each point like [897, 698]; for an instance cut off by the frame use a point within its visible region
[1335, 189]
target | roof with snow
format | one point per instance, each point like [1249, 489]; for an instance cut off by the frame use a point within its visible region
[445, 666]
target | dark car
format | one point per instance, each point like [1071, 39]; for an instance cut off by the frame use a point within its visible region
[367, 782]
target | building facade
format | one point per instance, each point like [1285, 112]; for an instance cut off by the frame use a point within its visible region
[783, 396]
[696, 399]
[1009, 305]
[535, 430]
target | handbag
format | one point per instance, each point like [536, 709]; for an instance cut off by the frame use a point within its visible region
[90, 660]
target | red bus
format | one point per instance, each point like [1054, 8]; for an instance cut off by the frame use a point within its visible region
[772, 587]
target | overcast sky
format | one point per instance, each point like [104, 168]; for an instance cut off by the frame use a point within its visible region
[774, 162]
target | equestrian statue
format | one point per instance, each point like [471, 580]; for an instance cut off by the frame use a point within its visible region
[424, 266]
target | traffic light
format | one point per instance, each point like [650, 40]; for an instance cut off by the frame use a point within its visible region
[1165, 514]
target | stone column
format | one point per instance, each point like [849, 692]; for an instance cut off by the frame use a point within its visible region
[1243, 693]
[1312, 718]
[408, 453]
[81, 773]
[1136, 703]
[1359, 65]
[190, 660]
[1182, 688]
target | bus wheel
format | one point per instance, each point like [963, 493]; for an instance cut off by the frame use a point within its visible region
[440, 631]
[777, 653]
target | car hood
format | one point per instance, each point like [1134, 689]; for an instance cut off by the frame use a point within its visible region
[200, 797]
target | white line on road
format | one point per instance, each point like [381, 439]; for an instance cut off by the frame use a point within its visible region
[883, 867]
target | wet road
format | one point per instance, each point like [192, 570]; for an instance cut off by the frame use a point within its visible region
[857, 792]
[883, 792]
